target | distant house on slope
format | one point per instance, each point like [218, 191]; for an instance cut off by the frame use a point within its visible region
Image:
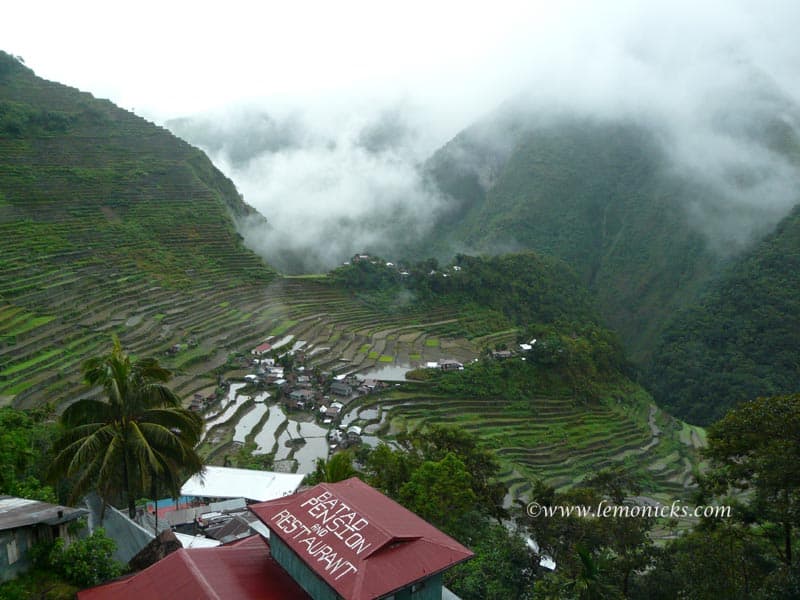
[24, 522]
[261, 349]
[446, 364]
[340, 388]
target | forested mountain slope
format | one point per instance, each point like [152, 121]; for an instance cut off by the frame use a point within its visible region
[595, 194]
[741, 340]
[649, 237]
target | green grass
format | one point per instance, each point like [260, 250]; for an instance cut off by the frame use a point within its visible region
[282, 328]
[30, 324]
[384, 358]
[431, 342]
[29, 363]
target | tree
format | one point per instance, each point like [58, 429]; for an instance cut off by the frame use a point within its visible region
[24, 444]
[337, 468]
[502, 567]
[437, 441]
[441, 492]
[138, 435]
[757, 447]
[597, 556]
[387, 469]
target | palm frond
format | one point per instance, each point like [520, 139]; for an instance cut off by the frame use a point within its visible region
[85, 411]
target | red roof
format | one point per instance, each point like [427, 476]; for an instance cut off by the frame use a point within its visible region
[361, 543]
[241, 571]
[265, 347]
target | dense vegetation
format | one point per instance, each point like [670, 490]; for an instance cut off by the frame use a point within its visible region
[742, 340]
[490, 294]
[596, 194]
[745, 551]
[710, 320]
[25, 440]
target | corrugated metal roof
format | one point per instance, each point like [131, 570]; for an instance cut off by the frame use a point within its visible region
[225, 482]
[362, 543]
[21, 512]
[196, 541]
[241, 571]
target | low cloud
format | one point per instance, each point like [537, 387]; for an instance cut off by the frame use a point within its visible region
[715, 82]
[335, 188]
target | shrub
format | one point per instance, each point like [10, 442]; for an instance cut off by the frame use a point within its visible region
[85, 562]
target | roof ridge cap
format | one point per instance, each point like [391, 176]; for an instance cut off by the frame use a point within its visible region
[198, 574]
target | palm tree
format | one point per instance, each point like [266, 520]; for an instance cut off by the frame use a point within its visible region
[137, 436]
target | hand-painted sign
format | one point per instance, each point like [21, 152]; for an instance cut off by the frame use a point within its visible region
[328, 530]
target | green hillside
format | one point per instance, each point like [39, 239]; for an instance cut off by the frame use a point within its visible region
[595, 194]
[107, 223]
[111, 225]
[498, 292]
[742, 340]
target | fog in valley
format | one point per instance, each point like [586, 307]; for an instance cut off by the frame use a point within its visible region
[324, 116]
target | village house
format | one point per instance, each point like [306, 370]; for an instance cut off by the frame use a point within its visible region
[446, 364]
[24, 522]
[198, 403]
[340, 388]
[333, 410]
[354, 433]
[301, 398]
[261, 349]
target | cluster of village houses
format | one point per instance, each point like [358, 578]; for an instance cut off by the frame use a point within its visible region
[300, 389]
[403, 271]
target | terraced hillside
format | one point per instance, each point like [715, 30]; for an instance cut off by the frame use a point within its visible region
[107, 224]
[555, 437]
[111, 225]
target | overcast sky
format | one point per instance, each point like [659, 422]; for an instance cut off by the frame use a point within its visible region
[168, 58]
[685, 64]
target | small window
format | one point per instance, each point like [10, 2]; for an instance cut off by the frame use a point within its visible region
[417, 587]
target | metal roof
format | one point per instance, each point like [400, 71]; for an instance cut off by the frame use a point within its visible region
[225, 482]
[241, 571]
[196, 541]
[21, 512]
[360, 542]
